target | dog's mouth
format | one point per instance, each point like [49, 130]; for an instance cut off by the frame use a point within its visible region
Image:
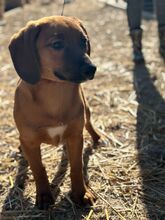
[82, 78]
[60, 76]
[86, 73]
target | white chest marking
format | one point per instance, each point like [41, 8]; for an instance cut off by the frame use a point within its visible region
[54, 131]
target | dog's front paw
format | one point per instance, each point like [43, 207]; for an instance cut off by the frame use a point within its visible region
[44, 200]
[85, 198]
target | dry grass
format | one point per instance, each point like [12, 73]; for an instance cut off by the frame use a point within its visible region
[126, 170]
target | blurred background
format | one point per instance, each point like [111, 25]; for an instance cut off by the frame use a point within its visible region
[127, 101]
[10, 4]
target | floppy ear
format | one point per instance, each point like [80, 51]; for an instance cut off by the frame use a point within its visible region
[24, 55]
[88, 41]
[83, 28]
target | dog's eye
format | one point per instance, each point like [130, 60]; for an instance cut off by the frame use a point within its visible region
[58, 45]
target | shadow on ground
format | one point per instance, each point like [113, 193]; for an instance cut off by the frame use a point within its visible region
[150, 142]
[16, 205]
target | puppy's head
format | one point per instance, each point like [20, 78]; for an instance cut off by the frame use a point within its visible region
[52, 47]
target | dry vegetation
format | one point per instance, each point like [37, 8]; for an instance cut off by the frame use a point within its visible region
[126, 171]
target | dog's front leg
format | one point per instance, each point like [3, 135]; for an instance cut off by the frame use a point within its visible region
[80, 192]
[33, 155]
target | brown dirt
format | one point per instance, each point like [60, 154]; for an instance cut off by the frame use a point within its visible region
[126, 171]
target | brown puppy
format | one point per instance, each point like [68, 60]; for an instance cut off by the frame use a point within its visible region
[51, 55]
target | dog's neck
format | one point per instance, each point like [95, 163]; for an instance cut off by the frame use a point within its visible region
[53, 78]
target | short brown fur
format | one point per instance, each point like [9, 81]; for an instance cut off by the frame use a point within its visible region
[43, 100]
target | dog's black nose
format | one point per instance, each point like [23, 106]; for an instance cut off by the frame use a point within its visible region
[90, 70]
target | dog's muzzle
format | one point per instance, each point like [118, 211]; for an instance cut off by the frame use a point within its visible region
[89, 71]
[84, 73]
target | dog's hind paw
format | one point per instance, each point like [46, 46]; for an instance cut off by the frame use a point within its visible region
[87, 198]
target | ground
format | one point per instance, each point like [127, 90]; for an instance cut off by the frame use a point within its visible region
[126, 171]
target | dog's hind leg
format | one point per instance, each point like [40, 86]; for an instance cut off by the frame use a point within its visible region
[88, 125]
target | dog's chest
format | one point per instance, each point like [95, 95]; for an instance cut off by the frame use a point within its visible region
[56, 132]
